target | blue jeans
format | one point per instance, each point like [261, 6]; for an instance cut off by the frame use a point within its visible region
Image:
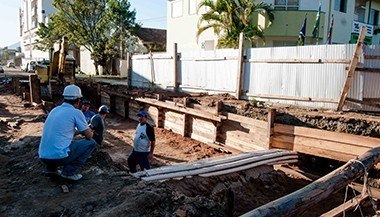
[80, 150]
[140, 158]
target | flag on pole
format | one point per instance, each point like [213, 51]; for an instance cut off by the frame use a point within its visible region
[329, 34]
[301, 37]
[317, 21]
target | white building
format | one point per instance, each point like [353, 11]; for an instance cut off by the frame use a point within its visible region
[182, 22]
[33, 12]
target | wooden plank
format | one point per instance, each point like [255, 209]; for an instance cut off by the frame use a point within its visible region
[350, 204]
[362, 102]
[34, 89]
[240, 66]
[189, 111]
[270, 127]
[298, 60]
[361, 141]
[246, 120]
[339, 151]
[294, 98]
[351, 71]
[367, 57]
[243, 146]
[375, 192]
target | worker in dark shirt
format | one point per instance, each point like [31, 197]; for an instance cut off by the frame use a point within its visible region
[88, 114]
[97, 123]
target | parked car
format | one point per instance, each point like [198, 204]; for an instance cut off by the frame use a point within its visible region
[1, 69]
[29, 66]
[11, 64]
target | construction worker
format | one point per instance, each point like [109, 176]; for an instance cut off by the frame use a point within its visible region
[97, 124]
[88, 114]
[144, 143]
[57, 147]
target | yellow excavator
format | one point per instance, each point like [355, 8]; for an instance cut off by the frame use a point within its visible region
[61, 69]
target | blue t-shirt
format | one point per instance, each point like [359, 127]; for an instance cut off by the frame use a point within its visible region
[88, 115]
[59, 131]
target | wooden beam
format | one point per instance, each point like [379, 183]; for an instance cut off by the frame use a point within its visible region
[367, 57]
[247, 120]
[371, 104]
[129, 69]
[35, 90]
[240, 67]
[294, 98]
[351, 71]
[374, 191]
[361, 69]
[350, 204]
[310, 195]
[298, 60]
[175, 67]
[360, 141]
[270, 129]
[190, 111]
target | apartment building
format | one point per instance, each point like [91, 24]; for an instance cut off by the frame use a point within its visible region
[348, 15]
[33, 12]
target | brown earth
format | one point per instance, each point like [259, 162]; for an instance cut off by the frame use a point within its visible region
[108, 190]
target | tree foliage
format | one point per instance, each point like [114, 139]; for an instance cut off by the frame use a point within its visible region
[101, 26]
[228, 18]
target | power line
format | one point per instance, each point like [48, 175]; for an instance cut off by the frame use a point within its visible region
[153, 18]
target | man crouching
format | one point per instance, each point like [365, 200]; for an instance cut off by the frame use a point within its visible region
[57, 147]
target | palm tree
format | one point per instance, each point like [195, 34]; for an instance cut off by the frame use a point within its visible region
[228, 18]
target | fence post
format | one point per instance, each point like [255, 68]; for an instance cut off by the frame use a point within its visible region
[240, 69]
[151, 64]
[175, 67]
[35, 91]
[270, 128]
[129, 69]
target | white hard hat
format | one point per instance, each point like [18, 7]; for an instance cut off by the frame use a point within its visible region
[72, 92]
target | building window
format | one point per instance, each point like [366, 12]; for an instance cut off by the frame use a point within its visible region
[360, 7]
[177, 9]
[340, 5]
[193, 5]
[374, 17]
[289, 5]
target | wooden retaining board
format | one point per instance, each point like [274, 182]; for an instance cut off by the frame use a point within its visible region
[244, 133]
[202, 130]
[174, 121]
[105, 99]
[120, 106]
[333, 145]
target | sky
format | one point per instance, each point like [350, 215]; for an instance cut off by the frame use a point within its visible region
[150, 13]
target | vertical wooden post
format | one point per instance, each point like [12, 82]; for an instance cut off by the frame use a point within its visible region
[240, 68]
[126, 108]
[175, 67]
[160, 118]
[185, 124]
[35, 91]
[270, 128]
[16, 85]
[151, 64]
[112, 103]
[218, 110]
[352, 68]
[129, 69]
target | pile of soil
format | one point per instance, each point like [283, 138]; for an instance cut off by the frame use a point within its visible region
[107, 188]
